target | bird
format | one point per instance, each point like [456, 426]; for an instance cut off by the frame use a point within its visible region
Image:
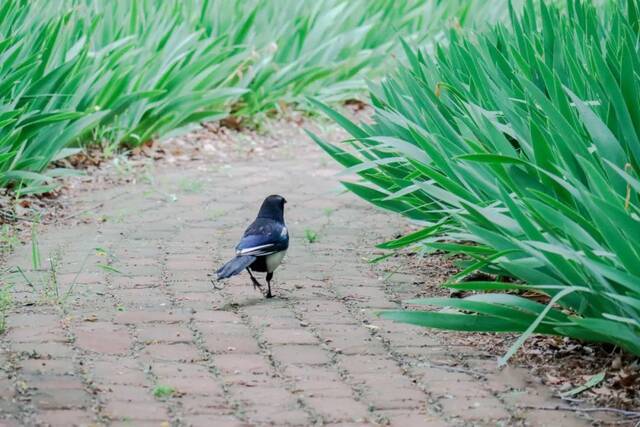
[263, 245]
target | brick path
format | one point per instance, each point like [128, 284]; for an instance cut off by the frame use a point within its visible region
[93, 353]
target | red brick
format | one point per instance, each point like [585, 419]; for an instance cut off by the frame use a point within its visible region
[57, 399]
[103, 338]
[230, 344]
[338, 409]
[182, 352]
[396, 398]
[189, 264]
[482, 409]
[192, 289]
[48, 366]
[36, 334]
[137, 282]
[231, 364]
[195, 404]
[127, 411]
[274, 395]
[121, 372]
[455, 389]
[195, 385]
[289, 336]
[368, 364]
[142, 298]
[126, 393]
[323, 388]
[142, 316]
[213, 420]
[55, 382]
[164, 333]
[31, 320]
[217, 317]
[403, 418]
[276, 416]
[301, 354]
[178, 369]
[64, 417]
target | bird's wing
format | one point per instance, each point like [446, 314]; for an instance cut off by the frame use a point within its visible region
[263, 237]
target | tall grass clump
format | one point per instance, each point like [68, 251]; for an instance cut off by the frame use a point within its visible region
[74, 72]
[519, 149]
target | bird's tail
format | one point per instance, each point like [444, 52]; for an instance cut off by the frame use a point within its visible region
[235, 266]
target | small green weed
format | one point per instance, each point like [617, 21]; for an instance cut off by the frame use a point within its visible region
[310, 235]
[163, 391]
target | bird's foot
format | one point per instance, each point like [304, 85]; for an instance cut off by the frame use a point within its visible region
[268, 294]
[215, 286]
[257, 285]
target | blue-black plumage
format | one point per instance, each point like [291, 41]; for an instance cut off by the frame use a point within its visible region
[263, 244]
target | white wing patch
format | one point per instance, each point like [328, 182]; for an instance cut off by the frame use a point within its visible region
[284, 232]
[252, 249]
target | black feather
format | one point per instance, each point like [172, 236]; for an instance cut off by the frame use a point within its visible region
[235, 266]
[266, 237]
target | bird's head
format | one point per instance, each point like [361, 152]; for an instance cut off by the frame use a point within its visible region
[273, 207]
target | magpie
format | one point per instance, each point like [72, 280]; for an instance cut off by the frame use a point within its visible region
[263, 244]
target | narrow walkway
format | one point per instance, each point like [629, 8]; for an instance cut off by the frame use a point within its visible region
[90, 343]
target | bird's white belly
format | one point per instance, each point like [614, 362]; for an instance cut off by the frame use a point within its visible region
[274, 260]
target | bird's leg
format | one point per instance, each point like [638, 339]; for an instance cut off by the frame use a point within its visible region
[256, 284]
[269, 277]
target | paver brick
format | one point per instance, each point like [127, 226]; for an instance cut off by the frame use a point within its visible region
[144, 316]
[119, 410]
[216, 317]
[70, 398]
[164, 333]
[117, 372]
[223, 343]
[47, 366]
[300, 354]
[126, 393]
[289, 336]
[195, 404]
[481, 409]
[64, 417]
[178, 352]
[339, 409]
[48, 333]
[103, 338]
[209, 421]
